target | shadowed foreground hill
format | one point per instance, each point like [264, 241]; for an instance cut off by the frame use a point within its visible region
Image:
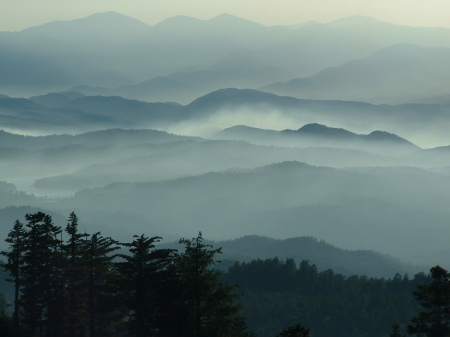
[318, 252]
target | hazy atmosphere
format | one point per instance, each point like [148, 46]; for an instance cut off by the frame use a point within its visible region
[19, 14]
[316, 131]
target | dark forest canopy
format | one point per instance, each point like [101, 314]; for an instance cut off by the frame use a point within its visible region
[68, 283]
[80, 285]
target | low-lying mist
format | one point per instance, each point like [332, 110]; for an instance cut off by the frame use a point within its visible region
[230, 159]
[132, 181]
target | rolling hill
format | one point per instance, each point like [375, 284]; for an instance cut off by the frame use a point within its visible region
[318, 135]
[394, 210]
[423, 124]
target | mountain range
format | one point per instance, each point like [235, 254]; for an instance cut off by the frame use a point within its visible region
[424, 123]
[322, 254]
[394, 74]
[393, 209]
[112, 50]
[335, 131]
[319, 135]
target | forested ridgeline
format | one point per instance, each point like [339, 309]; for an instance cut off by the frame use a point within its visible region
[68, 283]
[278, 294]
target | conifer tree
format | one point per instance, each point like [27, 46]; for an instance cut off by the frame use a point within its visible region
[14, 265]
[210, 308]
[142, 279]
[102, 299]
[294, 331]
[5, 321]
[76, 279]
[43, 276]
[395, 331]
[434, 321]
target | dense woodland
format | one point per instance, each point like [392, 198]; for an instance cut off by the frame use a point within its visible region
[68, 283]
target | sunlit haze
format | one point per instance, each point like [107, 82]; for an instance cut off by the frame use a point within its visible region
[19, 14]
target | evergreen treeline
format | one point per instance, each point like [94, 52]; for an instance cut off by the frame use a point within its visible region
[278, 294]
[75, 284]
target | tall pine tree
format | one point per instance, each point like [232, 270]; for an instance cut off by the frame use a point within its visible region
[434, 320]
[43, 276]
[142, 277]
[14, 265]
[210, 305]
[102, 304]
[75, 250]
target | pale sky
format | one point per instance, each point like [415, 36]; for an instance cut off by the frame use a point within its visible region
[19, 14]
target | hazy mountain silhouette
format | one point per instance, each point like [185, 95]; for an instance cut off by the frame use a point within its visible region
[36, 63]
[424, 123]
[142, 162]
[94, 138]
[124, 111]
[56, 100]
[27, 62]
[98, 27]
[92, 91]
[112, 50]
[184, 87]
[441, 100]
[320, 135]
[394, 74]
[319, 252]
[371, 208]
[347, 184]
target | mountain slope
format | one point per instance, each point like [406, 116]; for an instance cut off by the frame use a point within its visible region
[424, 124]
[100, 26]
[324, 255]
[184, 87]
[318, 252]
[421, 122]
[112, 50]
[385, 210]
[395, 74]
[319, 135]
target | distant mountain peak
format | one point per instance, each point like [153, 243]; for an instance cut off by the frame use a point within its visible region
[108, 14]
[229, 18]
[230, 95]
[178, 20]
[313, 127]
[226, 16]
[112, 17]
[387, 136]
[285, 165]
[222, 20]
[108, 22]
[321, 129]
[241, 127]
[356, 20]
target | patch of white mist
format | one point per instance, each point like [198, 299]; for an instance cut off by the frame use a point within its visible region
[263, 119]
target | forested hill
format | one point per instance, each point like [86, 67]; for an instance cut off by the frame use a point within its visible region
[277, 294]
[322, 254]
[95, 283]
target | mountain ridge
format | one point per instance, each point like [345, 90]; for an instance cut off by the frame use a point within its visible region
[393, 74]
[316, 135]
[318, 252]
